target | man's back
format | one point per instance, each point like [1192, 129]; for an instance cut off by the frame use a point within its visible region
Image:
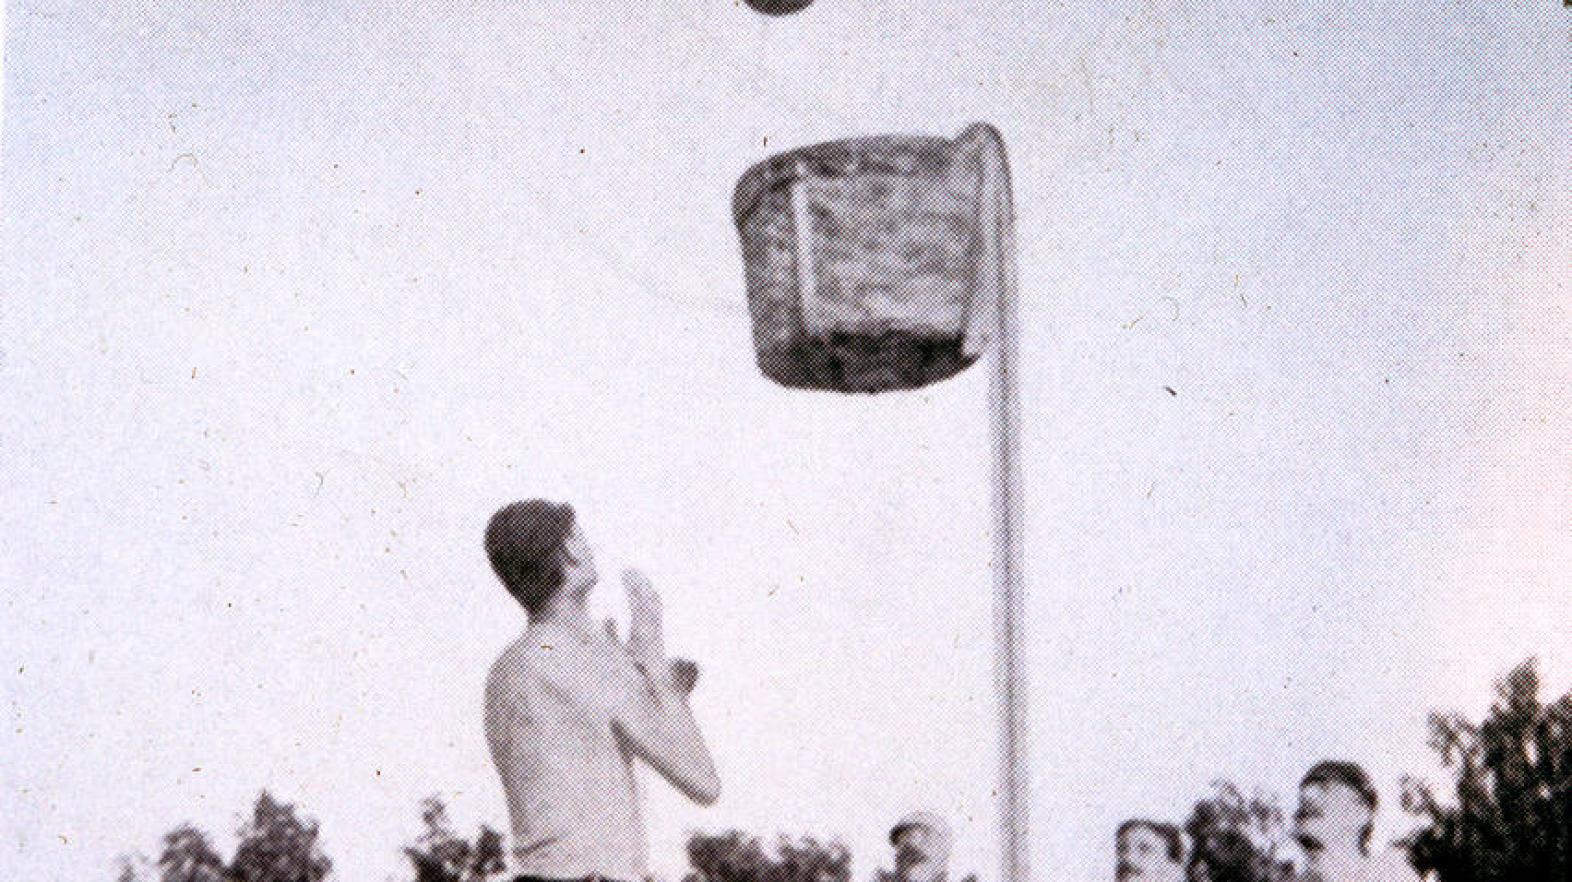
[551, 700]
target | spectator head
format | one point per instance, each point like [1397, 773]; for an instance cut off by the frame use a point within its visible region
[538, 551]
[922, 843]
[1149, 851]
[1337, 805]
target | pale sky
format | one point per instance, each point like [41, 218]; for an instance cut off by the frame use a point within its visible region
[296, 296]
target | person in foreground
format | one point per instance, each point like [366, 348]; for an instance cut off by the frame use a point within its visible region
[569, 706]
[1149, 851]
[1335, 824]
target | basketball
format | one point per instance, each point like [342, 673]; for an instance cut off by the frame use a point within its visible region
[778, 7]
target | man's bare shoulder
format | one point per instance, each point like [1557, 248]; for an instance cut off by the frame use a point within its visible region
[509, 674]
[546, 657]
[511, 663]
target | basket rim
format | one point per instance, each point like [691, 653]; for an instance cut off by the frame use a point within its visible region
[784, 167]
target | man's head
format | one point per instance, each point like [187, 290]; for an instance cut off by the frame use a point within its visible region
[539, 553]
[1337, 805]
[922, 846]
[1149, 851]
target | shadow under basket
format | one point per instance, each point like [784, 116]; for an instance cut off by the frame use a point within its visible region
[863, 363]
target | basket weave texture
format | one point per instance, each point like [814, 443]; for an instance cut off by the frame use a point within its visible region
[862, 261]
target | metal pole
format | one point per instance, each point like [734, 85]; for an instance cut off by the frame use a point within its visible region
[1008, 571]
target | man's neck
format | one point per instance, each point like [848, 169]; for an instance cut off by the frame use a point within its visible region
[567, 615]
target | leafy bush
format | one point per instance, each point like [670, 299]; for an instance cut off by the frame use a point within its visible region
[738, 857]
[1510, 814]
[189, 856]
[1238, 838]
[276, 845]
[440, 855]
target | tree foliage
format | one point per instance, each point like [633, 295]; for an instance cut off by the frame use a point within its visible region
[276, 845]
[1238, 838]
[738, 857]
[440, 855]
[135, 868]
[189, 856]
[1509, 816]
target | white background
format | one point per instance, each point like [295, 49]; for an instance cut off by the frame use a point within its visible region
[297, 294]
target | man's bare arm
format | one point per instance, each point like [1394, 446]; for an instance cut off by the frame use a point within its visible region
[655, 717]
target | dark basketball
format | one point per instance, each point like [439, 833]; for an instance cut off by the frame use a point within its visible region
[778, 7]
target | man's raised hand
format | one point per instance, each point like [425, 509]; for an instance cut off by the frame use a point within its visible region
[646, 642]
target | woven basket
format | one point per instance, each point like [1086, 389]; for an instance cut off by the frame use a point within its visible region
[876, 263]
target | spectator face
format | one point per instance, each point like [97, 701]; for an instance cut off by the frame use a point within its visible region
[1331, 817]
[916, 846]
[1144, 857]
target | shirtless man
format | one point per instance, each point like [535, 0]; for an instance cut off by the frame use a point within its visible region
[1335, 824]
[569, 706]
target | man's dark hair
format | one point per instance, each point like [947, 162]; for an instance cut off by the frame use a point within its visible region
[524, 541]
[1350, 775]
[1172, 838]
